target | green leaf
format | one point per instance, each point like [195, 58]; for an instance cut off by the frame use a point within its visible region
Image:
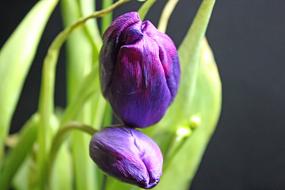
[199, 95]
[16, 57]
[207, 104]
[17, 155]
[189, 55]
[189, 52]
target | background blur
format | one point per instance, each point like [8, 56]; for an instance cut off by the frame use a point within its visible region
[247, 151]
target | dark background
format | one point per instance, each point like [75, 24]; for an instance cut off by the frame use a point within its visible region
[247, 152]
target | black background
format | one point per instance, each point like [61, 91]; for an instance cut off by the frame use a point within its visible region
[247, 152]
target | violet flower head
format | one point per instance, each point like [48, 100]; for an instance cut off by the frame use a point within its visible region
[128, 155]
[139, 70]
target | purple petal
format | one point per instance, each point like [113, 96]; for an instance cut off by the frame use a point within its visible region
[128, 155]
[111, 44]
[167, 54]
[139, 93]
[139, 70]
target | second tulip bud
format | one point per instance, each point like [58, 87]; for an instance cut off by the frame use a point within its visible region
[128, 155]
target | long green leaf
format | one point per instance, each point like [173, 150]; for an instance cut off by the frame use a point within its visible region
[189, 55]
[200, 95]
[17, 155]
[207, 105]
[16, 57]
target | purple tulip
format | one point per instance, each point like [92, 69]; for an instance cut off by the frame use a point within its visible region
[128, 155]
[139, 70]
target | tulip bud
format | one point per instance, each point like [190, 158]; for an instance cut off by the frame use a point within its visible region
[139, 70]
[128, 155]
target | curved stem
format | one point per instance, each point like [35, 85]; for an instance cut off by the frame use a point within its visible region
[145, 8]
[46, 102]
[61, 136]
[165, 15]
[91, 35]
[106, 20]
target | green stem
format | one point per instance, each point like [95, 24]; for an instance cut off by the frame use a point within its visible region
[46, 102]
[85, 91]
[104, 182]
[106, 20]
[166, 13]
[61, 136]
[145, 8]
[98, 102]
[95, 40]
[82, 52]
[173, 151]
[99, 106]
[178, 139]
[91, 28]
